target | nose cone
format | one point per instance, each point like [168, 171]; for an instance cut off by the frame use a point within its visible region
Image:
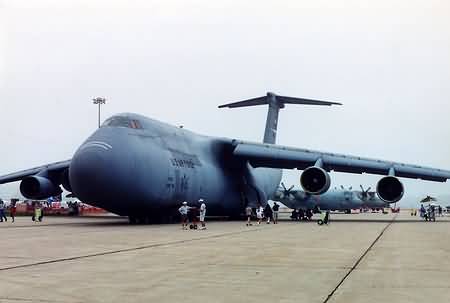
[96, 174]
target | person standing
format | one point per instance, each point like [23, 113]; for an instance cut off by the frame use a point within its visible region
[325, 218]
[202, 213]
[275, 208]
[12, 210]
[422, 211]
[248, 213]
[193, 214]
[183, 210]
[259, 214]
[2, 211]
[38, 214]
[268, 213]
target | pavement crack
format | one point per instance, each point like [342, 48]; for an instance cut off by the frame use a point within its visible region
[26, 300]
[330, 295]
[118, 251]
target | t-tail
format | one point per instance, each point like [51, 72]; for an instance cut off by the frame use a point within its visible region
[275, 103]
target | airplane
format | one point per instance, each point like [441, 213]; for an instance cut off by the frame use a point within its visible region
[428, 199]
[142, 168]
[337, 199]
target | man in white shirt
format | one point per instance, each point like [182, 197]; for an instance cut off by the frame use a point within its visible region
[183, 210]
[202, 213]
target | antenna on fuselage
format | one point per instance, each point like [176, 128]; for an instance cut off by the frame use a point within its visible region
[275, 103]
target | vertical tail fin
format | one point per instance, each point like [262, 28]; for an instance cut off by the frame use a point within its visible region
[275, 103]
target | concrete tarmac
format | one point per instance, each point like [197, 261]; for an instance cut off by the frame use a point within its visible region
[357, 258]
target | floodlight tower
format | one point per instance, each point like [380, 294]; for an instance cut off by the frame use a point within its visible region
[99, 101]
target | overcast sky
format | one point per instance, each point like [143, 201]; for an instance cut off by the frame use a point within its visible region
[387, 61]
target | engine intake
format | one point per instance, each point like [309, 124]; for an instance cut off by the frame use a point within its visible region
[315, 180]
[390, 189]
[38, 187]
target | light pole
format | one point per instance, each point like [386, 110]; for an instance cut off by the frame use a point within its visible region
[99, 101]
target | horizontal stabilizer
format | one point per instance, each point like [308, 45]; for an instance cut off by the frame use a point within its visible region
[280, 100]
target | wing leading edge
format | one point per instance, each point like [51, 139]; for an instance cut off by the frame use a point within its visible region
[276, 156]
[17, 176]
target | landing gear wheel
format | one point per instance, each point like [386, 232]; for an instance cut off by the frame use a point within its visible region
[132, 220]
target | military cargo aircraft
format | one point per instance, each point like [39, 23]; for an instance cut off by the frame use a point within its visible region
[143, 168]
[338, 199]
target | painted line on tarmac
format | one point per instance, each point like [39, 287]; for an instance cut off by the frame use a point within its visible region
[360, 259]
[104, 220]
[118, 251]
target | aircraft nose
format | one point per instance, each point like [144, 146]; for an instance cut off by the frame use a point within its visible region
[93, 173]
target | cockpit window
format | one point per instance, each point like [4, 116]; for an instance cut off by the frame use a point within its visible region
[121, 121]
[135, 124]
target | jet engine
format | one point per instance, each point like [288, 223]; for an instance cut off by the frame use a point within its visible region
[38, 187]
[315, 180]
[390, 189]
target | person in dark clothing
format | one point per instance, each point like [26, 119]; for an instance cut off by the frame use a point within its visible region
[193, 217]
[275, 209]
[2, 211]
[309, 214]
[268, 213]
[422, 211]
[325, 218]
[294, 215]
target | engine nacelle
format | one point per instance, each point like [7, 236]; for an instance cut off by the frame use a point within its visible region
[38, 187]
[390, 189]
[315, 180]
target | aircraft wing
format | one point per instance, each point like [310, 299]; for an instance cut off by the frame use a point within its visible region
[276, 156]
[17, 176]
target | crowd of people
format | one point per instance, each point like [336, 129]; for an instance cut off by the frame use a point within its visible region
[429, 213]
[300, 214]
[37, 211]
[12, 211]
[267, 213]
[191, 215]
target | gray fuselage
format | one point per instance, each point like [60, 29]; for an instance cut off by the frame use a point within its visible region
[331, 200]
[136, 166]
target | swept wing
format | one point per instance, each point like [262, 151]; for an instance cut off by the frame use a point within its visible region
[277, 156]
[52, 167]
